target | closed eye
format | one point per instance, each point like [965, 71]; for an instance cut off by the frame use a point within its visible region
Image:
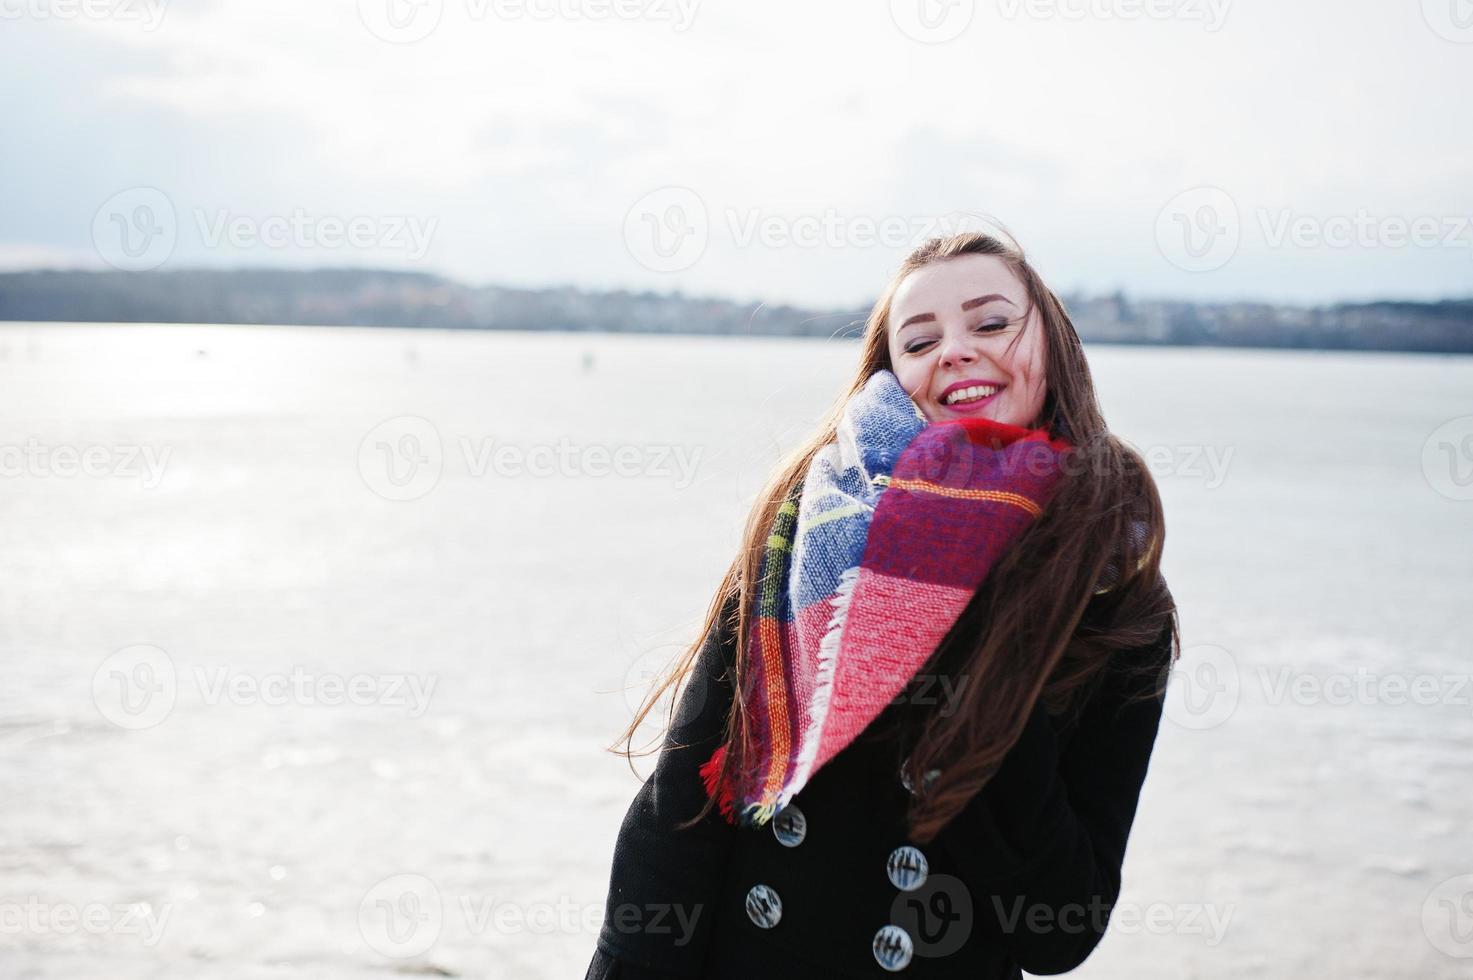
[988, 326]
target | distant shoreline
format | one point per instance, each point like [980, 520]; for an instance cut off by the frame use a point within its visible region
[1093, 343]
[409, 300]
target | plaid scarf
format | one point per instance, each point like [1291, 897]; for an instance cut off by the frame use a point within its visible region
[870, 561]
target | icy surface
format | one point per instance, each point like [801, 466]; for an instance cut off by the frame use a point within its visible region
[1285, 830]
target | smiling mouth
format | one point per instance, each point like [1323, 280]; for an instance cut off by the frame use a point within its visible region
[970, 395]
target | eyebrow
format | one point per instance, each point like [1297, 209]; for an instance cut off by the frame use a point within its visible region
[968, 305]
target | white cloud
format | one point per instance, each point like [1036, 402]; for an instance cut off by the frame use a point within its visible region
[530, 139]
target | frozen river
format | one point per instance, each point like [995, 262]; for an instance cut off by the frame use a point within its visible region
[313, 639]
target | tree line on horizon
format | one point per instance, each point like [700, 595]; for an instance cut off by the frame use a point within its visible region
[368, 297]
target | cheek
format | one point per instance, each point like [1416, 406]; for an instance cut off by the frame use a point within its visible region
[915, 379]
[911, 375]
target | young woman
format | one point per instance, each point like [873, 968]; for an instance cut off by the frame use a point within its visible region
[914, 732]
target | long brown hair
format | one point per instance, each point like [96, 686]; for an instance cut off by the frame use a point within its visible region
[1025, 635]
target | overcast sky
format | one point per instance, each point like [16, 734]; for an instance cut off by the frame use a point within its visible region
[1307, 151]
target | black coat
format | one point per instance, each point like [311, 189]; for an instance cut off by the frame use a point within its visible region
[1023, 877]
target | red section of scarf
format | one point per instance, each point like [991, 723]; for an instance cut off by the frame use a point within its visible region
[710, 772]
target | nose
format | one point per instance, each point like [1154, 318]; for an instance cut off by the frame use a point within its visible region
[957, 350]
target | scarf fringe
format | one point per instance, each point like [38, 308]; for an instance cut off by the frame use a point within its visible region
[710, 772]
[757, 814]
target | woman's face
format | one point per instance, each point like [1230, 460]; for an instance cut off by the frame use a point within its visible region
[951, 326]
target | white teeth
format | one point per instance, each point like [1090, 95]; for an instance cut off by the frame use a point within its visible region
[971, 394]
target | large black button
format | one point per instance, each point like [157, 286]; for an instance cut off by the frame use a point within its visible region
[907, 868]
[764, 908]
[790, 826]
[892, 948]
